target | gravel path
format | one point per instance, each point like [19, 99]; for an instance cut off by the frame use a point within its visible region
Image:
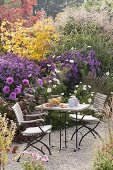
[66, 159]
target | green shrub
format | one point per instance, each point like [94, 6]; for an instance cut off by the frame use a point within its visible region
[84, 30]
[103, 159]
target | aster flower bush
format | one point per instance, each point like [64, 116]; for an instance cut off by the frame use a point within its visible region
[12, 65]
[15, 74]
[12, 91]
[86, 27]
[70, 67]
[47, 87]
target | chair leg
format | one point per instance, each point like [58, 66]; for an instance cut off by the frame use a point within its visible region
[75, 132]
[92, 130]
[97, 133]
[46, 147]
[31, 143]
[49, 139]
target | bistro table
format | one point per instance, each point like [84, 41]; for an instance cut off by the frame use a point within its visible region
[63, 108]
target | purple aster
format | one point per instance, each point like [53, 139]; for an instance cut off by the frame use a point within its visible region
[6, 90]
[25, 82]
[40, 82]
[17, 90]
[9, 80]
[19, 86]
[12, 96]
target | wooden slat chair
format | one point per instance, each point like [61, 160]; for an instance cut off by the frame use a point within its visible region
[86, 120]
[36, 133]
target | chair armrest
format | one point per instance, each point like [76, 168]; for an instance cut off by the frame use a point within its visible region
[93, 109]
[36, 115]
[31, 121]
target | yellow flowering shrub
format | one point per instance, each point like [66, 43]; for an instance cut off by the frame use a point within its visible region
[7, 133]
[31, 42]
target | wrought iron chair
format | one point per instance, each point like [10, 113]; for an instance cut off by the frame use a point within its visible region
[86, 120]
[35, 133]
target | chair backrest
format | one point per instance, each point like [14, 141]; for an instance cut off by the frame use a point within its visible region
[18, 112]
[99, 101]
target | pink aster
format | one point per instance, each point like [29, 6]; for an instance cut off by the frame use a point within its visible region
[9, 80]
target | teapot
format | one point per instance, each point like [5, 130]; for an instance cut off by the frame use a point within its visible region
[73, 101]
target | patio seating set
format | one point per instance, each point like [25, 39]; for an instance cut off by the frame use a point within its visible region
[37, 133]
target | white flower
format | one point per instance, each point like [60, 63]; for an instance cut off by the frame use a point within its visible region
[49, 90]
[50, 81]
[54, 74]
[80, 82]
[89, 86]
[84, 87]
[72, 48]
[57, 71]
[54, 56]
[89, 100]
[77, 86]
[62, 94]
[71, 61]
[107, 73]
[55, 79]
[48, 65]
[92, 94]
[58, 57]
[58, 82]
[29, 75]
[75, 91]
[89, 45]
[54, 85]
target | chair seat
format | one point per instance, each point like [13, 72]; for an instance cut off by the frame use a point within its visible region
[85, 118]
[37, 130]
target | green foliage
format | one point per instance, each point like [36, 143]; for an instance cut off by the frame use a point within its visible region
[103, 161]
[102, 84]
[86, 27]
[42, 94]
[84, 93]
[30, 165]
[84, 38]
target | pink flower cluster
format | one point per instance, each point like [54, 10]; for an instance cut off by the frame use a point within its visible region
[36, 156]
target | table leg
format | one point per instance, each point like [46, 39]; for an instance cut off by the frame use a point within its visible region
[49, 133]
[65, 131]
[60, 131]
[76, 147]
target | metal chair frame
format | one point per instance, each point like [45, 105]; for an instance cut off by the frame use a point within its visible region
[35, 137]
[98, 107]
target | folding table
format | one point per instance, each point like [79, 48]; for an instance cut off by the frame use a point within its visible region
[63, 108]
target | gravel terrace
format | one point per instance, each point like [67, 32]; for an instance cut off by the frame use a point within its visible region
[66, 159]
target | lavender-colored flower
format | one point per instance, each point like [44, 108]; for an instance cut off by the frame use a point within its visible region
[40, 82]
[12, 96]
[11, 64]
[9, 80]
[6, 90]
[25, 82]
[18, 90]
[19, 86]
